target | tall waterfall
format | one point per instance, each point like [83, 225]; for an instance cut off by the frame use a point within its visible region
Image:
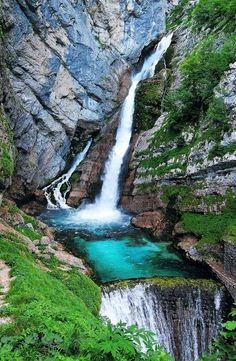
[53, 193]
[105, 206]
[185, 319]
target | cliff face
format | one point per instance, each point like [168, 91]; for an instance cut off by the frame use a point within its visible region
[7, 149]
[187, 160]
[183, 156]
[184, 315]
[191, 164]
[68, 69]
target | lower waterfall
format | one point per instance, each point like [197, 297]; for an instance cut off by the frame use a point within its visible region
[185, 319]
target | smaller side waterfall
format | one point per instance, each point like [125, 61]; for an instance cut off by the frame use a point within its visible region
[185, 319]
[56, 198]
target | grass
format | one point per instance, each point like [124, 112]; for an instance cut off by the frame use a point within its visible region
[230, 233]
[212, 228]
[28, 232]
[40, 303]
[55, 313]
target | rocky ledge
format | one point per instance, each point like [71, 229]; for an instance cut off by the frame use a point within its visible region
[223, 268]
[38, 237]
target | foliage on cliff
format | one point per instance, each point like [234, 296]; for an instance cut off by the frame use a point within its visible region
[7, 151]
[220, 14]
[186, 162]
[6, 148]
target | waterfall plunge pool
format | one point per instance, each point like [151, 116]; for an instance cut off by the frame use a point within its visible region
[118, 251]
[100, 232]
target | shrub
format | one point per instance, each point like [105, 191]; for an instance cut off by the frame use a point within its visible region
[201, 72]
[215, 14]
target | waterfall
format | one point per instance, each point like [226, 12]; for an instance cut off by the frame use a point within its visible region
[53, 193]
[105, 206]
[185, 319]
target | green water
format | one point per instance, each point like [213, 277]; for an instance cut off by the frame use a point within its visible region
[119, 251]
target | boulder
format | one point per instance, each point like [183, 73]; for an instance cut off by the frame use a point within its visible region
[150, 221]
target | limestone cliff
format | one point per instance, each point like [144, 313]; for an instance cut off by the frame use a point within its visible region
[68, 65]
[194, 160]
[183, 158]
[7, 149]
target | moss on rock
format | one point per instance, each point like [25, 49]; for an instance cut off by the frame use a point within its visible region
[7, 150]
[148, 101]
[168, 282]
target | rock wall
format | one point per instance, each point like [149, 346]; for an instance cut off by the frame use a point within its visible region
[88, 179]
[230, 258]
[184, 316]
[69, 63]
[7, 149]
[187, 168]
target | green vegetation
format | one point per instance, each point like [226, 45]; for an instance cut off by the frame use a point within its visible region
[158, 166]
[193, 108]
[211, 227]
[6, 147]
[74, 177]
[225, 346]
[220, 14]
[176, 16]
[28, 232]
[169, 282]
[54, 312]
[6, 165]
[230, 234]
[201, 70]
[148, 104]
[185, 195]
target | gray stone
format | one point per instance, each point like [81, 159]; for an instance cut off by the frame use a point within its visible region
[68, 61]
[230, 258]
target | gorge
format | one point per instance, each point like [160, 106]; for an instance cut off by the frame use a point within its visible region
[147, 208]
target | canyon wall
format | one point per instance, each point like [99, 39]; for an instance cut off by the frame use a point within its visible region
[67, 70]
[183, 156]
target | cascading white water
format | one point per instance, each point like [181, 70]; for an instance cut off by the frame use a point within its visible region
[55, 198]
[105, 206]
[184, 321]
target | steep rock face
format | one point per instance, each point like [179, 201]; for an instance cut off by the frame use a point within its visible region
[7, 149]
[184, 316]
[88, 176]
[193, 169]
[68, 63]
[7, 153]
[186, 163]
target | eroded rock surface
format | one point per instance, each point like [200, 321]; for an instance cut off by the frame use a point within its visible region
[69, 64]
[203, 176]
[150, 221]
